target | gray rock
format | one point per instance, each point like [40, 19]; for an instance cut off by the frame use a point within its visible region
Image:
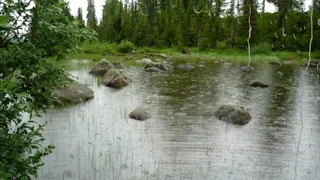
[101, 68]
[275, 63]
[286, 62]
[74, 93]
[227, 64]
[233, 114]
[313, 63]
[139, 114]
[258, 84]
[158, 67]
[117, 65]
[115, 78]
[247, 68]
[185, 66]
[144, 61]
[153, 69]
[279, 73]
[164, 56]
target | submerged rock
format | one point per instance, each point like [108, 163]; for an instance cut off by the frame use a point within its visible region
[185, 66]
[101, 68]
[258, 84]
[247, 68]
[115, 78]
[139, 114]
[233, 114]
[74, 93]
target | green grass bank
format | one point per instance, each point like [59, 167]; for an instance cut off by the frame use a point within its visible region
[123, 52]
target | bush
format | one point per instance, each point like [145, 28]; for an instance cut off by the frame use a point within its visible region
[222, 45]
[126, 46]
[262, 48]
[98, 48]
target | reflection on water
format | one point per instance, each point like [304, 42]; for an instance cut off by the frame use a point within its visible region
[183, 140]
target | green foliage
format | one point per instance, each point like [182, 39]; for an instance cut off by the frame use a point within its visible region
[126, 46]
[91, 15]
[29, 78]
[203, 24]
[262, 48]
[99, 48]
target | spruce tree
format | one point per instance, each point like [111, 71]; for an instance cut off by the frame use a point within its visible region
[91, 15]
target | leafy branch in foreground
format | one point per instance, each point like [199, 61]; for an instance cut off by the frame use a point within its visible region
[31, 32]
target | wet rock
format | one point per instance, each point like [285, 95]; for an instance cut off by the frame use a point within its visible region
[185, 66]
[158, 67]
[313, 63]
[101, 68]
[247, 68]
[161, 56]
[117, 65]
[144, 61]
[74, 93]
[164, 56]
[279, 73]
[233, 114]
[217, 62]
[139, 114]
[115, 78]
[258, 84]
[153, 69]
[227, 64]
[286, 62]
[275, 63]
[202, 64]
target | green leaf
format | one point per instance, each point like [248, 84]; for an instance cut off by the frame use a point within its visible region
[3, 20]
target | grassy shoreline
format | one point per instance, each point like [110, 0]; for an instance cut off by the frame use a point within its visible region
[112, 52]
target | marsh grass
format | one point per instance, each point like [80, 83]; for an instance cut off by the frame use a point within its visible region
[96, 51]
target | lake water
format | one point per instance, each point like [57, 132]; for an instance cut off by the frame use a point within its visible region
[183, 140]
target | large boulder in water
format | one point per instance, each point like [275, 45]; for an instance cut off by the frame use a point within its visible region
[115, 78]
[101, 68]
[233, 114]
[139, 114]
[74, 93]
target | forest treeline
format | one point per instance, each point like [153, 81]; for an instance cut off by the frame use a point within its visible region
[206, 23]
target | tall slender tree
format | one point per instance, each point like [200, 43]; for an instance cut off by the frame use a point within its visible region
[91, 15]
[80, 17]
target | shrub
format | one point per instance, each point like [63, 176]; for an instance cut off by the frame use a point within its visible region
[125, 46]
[262, 48]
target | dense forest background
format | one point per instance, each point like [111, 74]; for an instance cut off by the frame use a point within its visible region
[206, 23]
